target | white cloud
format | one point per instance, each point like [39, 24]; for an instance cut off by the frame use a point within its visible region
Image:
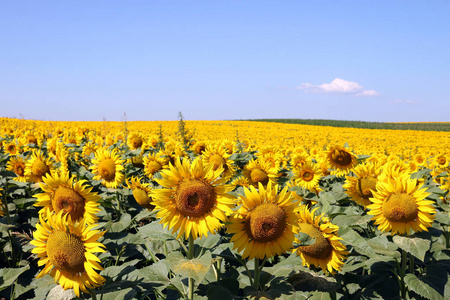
[340, 86]
[368, 93]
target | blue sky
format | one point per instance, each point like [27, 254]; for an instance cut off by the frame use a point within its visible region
[225, 60]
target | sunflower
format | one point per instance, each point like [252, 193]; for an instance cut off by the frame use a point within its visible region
[135, 140]
[299, 159]
[241, 180]
[264, 225]
[67, 249]
[229, 145]
[341, 160]
[107, 167]
[141, 192]
[307, 175]
[399, 205]
[323, 165]
[314, 151]
[61, 193]
[11, 148]
[88, 148]
[62, 156]
[153, 163]
[260, 171]
[199, 147]
[194, 200]
[31, 138]
[393, 169]
[327, 252]
[38, 166]
[361, 186]
[420, 159]
[72, 138]
[441, 161]
[17, 165]
[217, 156]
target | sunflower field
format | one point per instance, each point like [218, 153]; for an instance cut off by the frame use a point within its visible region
[222, 210]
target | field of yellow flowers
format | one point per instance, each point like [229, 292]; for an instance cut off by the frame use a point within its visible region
[222, 210]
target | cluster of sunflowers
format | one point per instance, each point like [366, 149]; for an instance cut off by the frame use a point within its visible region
[263, 196]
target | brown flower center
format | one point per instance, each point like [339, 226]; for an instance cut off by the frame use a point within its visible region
[199, 149]
[229, 148]
[66, 252]
[39, 168]
[217, 161]
[70, 201]
[442, 161]
[266, 223]
[136, 142]
[137, 162]
[307, 175]
[32, 139]
[153, 167]
[321, 248]
[400, 208]
[19, 169]
[258, 175]
[341, 157]
[194, 198]
[107, 169]
[364, 187]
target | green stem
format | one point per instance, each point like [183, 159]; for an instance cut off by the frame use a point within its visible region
[92, 292]
[118, 203]
[154, 258]
[402, 274]
[447, 237]
[219, 264]
[5, 204]
[261, 267]
[183, 246]
[244, 263]
[257, 271]
[191, 256]
[411, 263]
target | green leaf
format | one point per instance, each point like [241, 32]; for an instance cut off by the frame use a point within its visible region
[158, 271]
[124, 222]
[193, 268]
[219, 293]
[124, 294]
[4, 228]
[352, 238]
[309, 281]
[9, 275]
[356, 220]
[208, 243]
[117, 271]
[414, 245]
[304, 240]
[155, 231]
[382, 245]
[320, 296]
[24, 203]
[145, 213]
[421, 288]
[442, 218]
[42, 286]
